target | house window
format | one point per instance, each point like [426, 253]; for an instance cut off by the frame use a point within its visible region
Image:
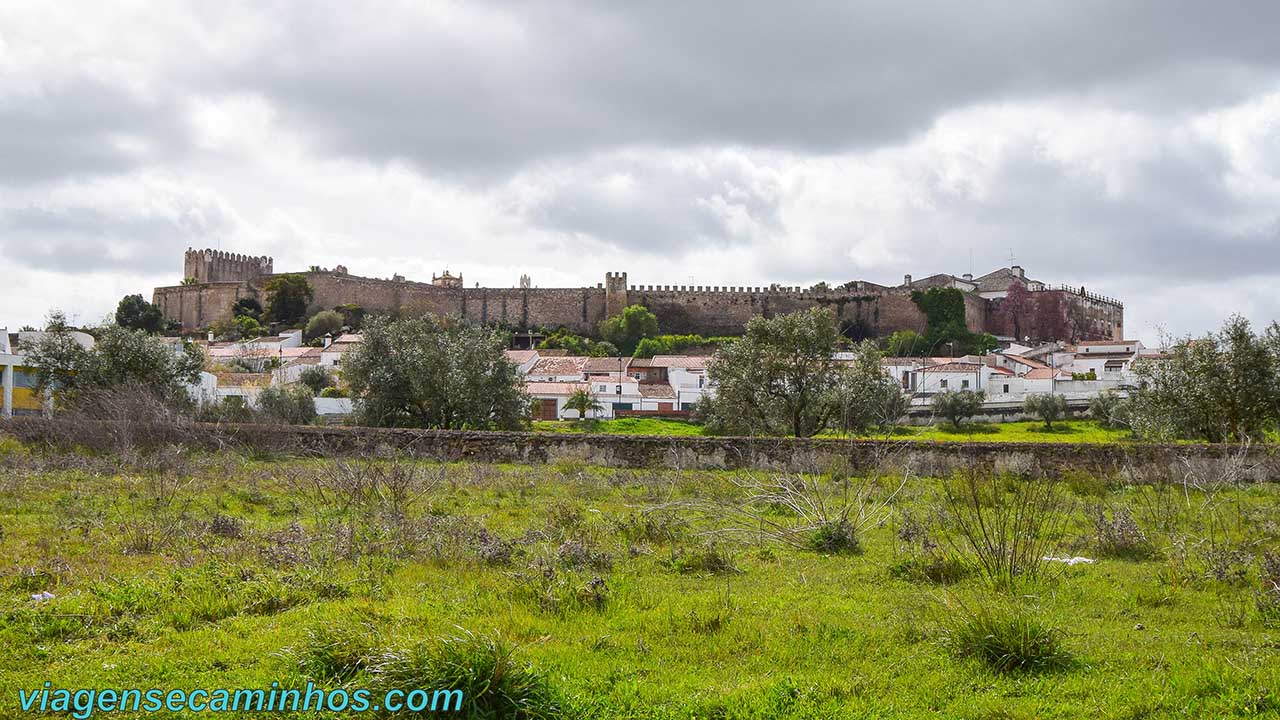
[906, 379]
[964, 384]
[604, 388]
[943, 385]
[1006, 388]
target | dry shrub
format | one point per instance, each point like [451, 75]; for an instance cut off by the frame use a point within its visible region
[1119, 536]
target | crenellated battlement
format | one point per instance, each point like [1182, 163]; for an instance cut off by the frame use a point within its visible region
[211, 265]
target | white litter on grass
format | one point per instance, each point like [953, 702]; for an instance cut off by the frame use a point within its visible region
[1077, 560]
[42, 596]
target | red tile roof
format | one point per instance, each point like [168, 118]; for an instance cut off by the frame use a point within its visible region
[559, 366]
[657, 391]
[553, 388]
[955, 367]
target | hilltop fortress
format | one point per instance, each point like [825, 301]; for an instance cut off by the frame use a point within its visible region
[214, 280]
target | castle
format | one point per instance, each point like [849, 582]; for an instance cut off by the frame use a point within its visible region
[214, 280]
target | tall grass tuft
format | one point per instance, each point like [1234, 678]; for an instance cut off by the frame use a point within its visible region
[494, 681]
[1006, 640]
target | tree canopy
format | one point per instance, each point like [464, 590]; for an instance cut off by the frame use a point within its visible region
[287, 298]
[135, 313]
[428, 372]
[626, 330]
[121, 357]
[780, 378]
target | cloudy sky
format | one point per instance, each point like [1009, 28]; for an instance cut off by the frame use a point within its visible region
[1132, 147]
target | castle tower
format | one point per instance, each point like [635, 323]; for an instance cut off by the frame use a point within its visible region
[615, 293]
[210, 265]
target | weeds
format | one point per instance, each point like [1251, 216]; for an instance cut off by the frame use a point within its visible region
[1006, 640]
[1119, 536]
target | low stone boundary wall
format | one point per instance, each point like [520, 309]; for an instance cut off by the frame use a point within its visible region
[1204, 462]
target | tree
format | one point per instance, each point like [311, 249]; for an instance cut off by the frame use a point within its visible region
[135, 313]
[289, 405]
[584, 402]
[428, 372]
[352, 315]
[247, 307]
[780, 378]
[957, 405]
[1109, 409]
[325, 322]
[287, 298]
[317, 378]
[121, 357]
[1223, 386]
[1046, 406]
[627, 330]
[907, 343]
[868, 397]
[248, 327]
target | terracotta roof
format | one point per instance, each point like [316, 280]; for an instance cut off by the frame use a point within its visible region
[905, 361]
[349, 338]
[691, 362]
[559, 366]
[1025, 361]
[641, 363]
[1086, 356]
[520, 357]
[659, 391]
[605, 364]
[955, 367]
[1045, 374]
[997, 370]
[553, 388]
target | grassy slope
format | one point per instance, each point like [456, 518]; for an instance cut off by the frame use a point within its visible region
[794, 634]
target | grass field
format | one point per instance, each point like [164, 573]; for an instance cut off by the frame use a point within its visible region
[635, 594]
[1064, 431]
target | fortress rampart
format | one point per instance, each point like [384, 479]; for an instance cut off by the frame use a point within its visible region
[864, 309]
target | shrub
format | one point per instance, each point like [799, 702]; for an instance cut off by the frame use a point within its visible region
[709, 558]
[1119, 536]
[325, 322]
[1110, 410]
[835, 536]
[1048, 407]
[1006, 640]
[230, 409]
[317, 378]
[333, 392]
[290, 405]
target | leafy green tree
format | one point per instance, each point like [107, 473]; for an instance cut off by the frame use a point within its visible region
[247, 307]
[627, 330]
[317, 378]
[287, 298]
[121, 357]
[907, 343]
[1109, 409]
[352, 315]
[780, 378]
[957, 405]
[427, 372]
[291, 405]
[649, 347]
[1047, 406]
[1223, 386]
[136, 313]
[564, 339]
[247, 327]
[324, 322]
[868, 397]
[584, 402]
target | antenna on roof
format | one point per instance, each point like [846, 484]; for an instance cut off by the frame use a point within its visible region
[1012, 259]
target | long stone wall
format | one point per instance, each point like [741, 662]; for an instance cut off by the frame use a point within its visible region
[1135, 462]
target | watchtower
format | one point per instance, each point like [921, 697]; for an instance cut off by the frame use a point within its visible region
[615, 293]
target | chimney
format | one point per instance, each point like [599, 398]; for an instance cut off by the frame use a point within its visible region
[968, 276]
[906, 280]
[328, 339]
[1017, 271]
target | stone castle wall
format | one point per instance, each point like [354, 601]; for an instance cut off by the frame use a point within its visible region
[217, 266]
[196, 306]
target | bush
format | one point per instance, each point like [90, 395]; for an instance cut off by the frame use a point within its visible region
[289, 405]
[1048, 407]
[1110, 410]
[325, 322]
[835, 536]
[1006, 640]
[1119, 536]
[317, 378]
[333, 392]
[231, 409]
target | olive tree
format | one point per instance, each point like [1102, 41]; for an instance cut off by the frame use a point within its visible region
[1223, 386]
[780, 378]
[436, 373]
[1046, 406]
[957, 405]
[868, 398]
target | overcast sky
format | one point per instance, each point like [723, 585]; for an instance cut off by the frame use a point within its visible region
[1130, 147]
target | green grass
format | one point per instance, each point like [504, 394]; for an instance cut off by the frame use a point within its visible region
[1067, 431]
[577, 591]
